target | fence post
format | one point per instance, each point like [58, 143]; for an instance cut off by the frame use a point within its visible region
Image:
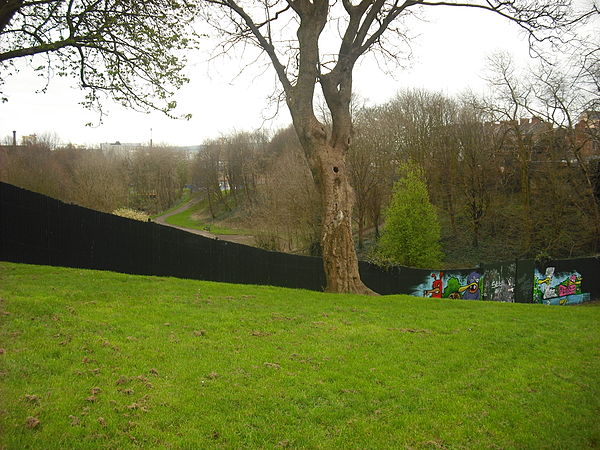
[524, 281]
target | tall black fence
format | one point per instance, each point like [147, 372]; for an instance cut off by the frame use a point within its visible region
[38, 229]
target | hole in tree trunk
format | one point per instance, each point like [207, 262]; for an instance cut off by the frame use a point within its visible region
[335, 169]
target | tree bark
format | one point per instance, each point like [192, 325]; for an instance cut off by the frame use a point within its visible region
[450, 208]
[210, 205]
[339, 255]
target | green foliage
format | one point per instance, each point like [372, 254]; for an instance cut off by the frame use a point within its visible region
[411, 236]
[107, 360]
[129, 51]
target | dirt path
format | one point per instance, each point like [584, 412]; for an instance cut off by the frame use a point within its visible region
[237, 238]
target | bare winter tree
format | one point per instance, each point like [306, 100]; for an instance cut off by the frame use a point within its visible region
[207, 174]
[567, 98]
[287, 207]
[241, 154]
[304, 60]
[512, 97]
[563, 97]
[372, 167]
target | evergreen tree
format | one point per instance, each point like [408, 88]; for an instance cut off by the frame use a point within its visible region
[411, 236]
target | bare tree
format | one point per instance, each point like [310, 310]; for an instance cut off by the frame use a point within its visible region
[512, 98]
[99, 180]
[424, 126]
[208, 174]
[287, 206]
[362, 26]
[561, 96]
[568, 98]
[372, 167]
[476, 154]
[155, 177]
[85, 177]
[240, 154]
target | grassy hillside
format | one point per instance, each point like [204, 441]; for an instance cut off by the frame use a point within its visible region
[98, 359]
[185, 197]
[198, 218]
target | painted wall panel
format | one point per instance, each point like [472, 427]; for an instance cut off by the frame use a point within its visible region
[499, 281]
[464, 284]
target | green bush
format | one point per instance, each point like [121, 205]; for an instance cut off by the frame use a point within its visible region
[411, 236]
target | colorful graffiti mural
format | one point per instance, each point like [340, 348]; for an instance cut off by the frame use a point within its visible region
[436, 286]
[559, 282]
[451, 285]
[496, 282]
[558, 288]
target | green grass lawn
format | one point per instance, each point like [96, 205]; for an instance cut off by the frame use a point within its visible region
[185, 219]
[185, 197]
[103, 360]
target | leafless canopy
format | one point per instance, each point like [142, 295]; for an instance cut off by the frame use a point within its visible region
[360, 26]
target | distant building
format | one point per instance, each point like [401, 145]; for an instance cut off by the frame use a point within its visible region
[127, 149]
[29, 140]
[121, 149]
[543, 141]
[593, 117]
[190, 149]
[587, 134]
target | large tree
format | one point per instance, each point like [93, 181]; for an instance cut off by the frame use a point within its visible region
[126, 49]
[310, 57]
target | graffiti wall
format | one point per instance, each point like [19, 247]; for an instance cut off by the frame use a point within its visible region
[499, 282]
[465, 285]
[558, 288]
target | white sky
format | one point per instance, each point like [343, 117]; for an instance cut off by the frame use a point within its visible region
[449, 55]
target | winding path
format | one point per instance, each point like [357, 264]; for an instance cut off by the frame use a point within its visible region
[237, 238]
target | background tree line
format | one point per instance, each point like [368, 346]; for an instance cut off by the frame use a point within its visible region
[148, 179]
[515, 187]
[513, 175]
[504, 186]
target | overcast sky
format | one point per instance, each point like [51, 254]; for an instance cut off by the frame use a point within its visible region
[449, 55]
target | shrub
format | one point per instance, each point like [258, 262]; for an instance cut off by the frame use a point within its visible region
[411, 236]
[131, 214]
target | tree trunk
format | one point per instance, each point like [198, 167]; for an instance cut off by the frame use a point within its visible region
[339, 255]
[376, 222]
[326, 151]
[476, 234]
[450, 207]
[527, 218]
[210, 205]
[361, 229]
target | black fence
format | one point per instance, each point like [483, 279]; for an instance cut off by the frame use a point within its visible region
[37, 229]
[41, 230]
